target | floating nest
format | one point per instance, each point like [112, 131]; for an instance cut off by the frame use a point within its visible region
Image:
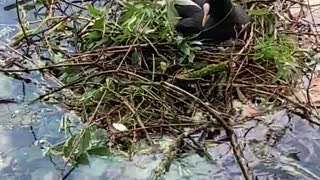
[133, 76]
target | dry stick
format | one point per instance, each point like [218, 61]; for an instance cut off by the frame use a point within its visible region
[241, 51]
[48, 67]
[301, 106]
[50, 14]
[15, 51]
[137, 118]
[173, 151]
[127, 53]
[313, 21]
[83, 79]
[59, 89]
[154, 48]
[313, 71]
[246, 171]
[40, 31]
[131, 46]
[114, 49]
[121, 47]
[139, 121]
[22, 27]
[76, 144]
[73, 4]
[232, 74]
[215, 113]
[309, 85]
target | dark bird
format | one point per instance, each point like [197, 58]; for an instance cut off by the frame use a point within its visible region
[215, 20]
[191, 12]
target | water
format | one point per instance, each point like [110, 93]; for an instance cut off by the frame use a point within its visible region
[21, 126]
[291, 153]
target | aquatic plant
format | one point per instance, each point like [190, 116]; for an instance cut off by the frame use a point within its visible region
[132, 78]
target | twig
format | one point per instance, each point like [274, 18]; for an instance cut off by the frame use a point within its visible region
[137, 118]
[172, 152]
[22, 27]
[84, 79]
[76, 144]
[125, 56]
[246, 171]
[301, 106]
[48, 67]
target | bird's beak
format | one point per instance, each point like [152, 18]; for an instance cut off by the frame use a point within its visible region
[206, 15]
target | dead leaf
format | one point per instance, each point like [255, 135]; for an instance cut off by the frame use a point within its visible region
[295, 12]
[249, 111]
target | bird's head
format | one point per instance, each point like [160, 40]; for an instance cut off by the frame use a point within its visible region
[216, 9]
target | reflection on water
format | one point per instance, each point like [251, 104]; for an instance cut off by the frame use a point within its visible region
[21, 126]
[20, 159]
[8, 21]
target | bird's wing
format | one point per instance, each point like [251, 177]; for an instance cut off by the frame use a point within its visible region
[186, 3]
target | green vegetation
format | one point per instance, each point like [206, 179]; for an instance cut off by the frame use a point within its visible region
[281, 53]
[139, 20]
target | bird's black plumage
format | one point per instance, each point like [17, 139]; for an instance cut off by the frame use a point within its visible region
[216, 21]
[192, 16]
[226, 21]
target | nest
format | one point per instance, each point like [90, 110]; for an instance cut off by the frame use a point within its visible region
[141, 82]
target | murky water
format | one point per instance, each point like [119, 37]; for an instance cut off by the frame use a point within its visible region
[290, 153]
[21, 127]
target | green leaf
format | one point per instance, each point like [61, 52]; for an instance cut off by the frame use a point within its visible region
[69, 74]
[99, 151]
[99, 25]
[68, 146]
[94, 11]
[135, 57]
[258, 12]
[209, 70]
[65, 123]
[280, 53]
[94, 36]
[98, 136]
[83, 159]
[185, 48]
[191, 57]
[84, 143]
